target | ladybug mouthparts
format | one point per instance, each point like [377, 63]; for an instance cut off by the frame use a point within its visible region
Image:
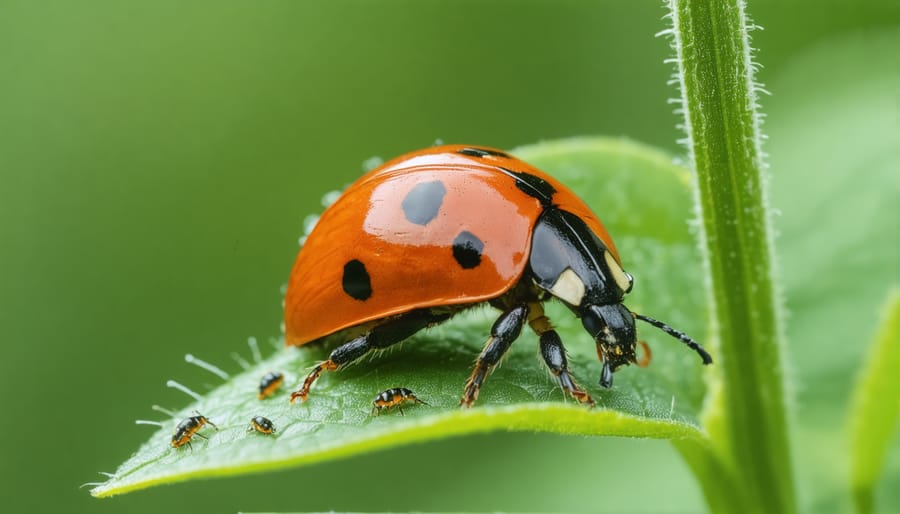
[612, 327]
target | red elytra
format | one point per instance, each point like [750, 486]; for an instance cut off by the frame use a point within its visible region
[411, 265]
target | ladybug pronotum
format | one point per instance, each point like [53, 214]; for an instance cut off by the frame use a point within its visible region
[440, 230]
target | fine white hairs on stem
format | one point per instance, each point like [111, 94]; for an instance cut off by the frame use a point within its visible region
[181, 387]
[215, 370]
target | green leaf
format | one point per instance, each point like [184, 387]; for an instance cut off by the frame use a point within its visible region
[719, 100]
[644, 200]
[876, 406]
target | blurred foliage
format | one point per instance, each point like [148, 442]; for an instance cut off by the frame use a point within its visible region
[157, 158]
[835, 154]
[876, 407]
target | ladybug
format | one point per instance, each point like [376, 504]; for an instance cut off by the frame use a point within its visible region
[270, 383]
[394, 397]
[261, 425]
[437, 231]
[188, 428]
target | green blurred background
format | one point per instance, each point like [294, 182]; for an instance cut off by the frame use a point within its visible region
[157, 159]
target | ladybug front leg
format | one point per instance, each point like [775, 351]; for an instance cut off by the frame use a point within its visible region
[554, 354]
[379, 337]
[505, 330]
[344, 354]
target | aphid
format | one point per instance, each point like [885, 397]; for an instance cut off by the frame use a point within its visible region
[188, 428]
[394, 397]
[270, 383]
[441, 230]
[261, 425]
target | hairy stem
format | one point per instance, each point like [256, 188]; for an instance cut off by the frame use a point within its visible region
[715, 72]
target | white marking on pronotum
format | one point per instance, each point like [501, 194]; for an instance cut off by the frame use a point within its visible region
[175, 385]
[148, 422]
[164, 410]
[241, 361]
[569, 287]
[254, 349]
[622, 279]
[215, 370]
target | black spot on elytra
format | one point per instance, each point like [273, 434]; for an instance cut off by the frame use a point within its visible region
[533, 186]
[481, 152]
[423, 202]
[467, 250]
[356, 281]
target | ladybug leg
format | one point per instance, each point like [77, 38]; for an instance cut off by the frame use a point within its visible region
[379, 337]
[344, 354]
[505, 330]
[554, 354]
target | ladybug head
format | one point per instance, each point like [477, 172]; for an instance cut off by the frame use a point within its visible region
[612, 327]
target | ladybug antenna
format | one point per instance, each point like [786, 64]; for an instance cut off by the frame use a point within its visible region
[677, 334]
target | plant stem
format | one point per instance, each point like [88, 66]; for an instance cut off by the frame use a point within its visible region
[720, 486]
[715, 71]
